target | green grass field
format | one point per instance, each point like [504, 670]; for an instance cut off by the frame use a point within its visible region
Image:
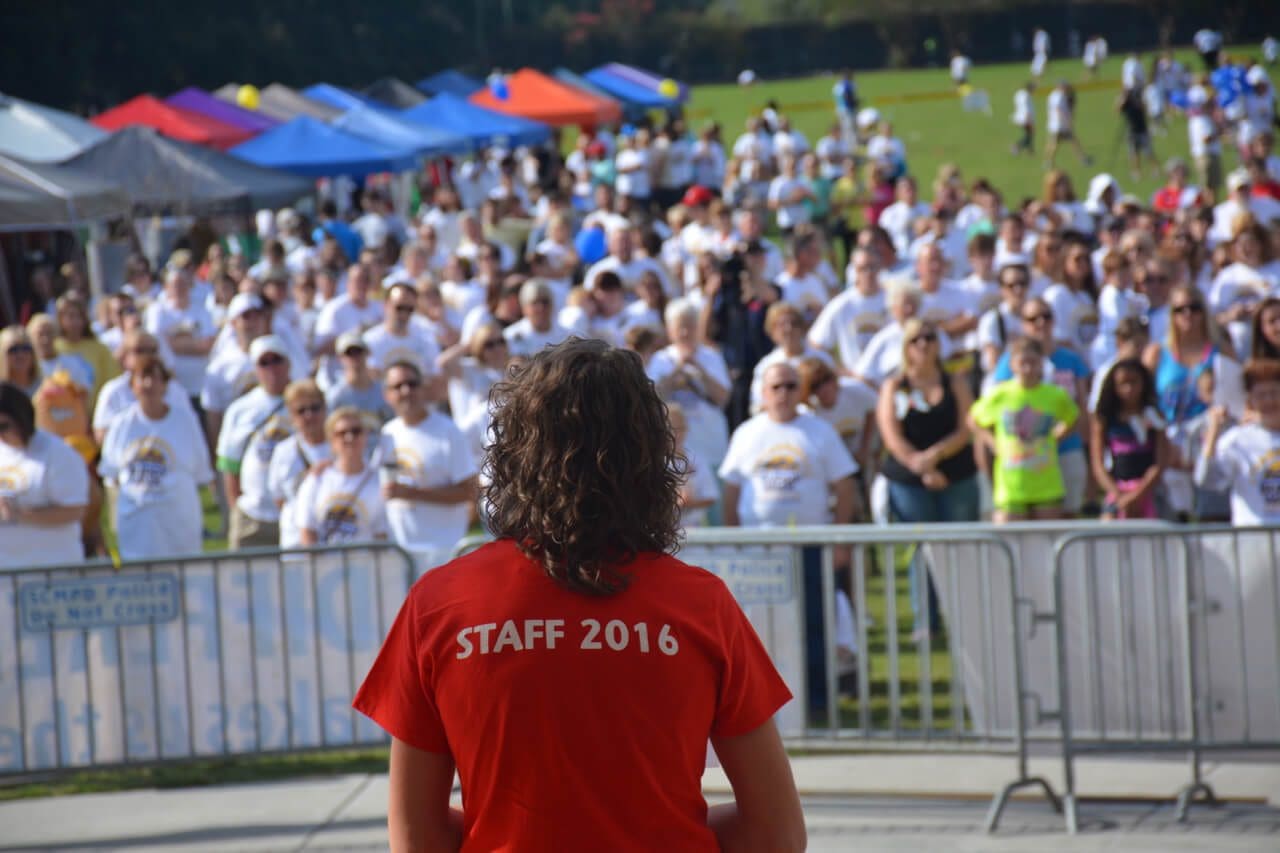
[940, 131]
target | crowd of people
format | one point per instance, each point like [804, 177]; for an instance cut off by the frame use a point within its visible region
[838, 340]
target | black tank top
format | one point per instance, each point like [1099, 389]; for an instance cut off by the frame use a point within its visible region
[923, 429]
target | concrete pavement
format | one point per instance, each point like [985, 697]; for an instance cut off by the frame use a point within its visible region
[860, 802]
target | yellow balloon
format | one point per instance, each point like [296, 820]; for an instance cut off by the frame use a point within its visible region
[669, 89]
[248, 96]
[965, 90]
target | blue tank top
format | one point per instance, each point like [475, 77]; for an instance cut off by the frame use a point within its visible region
[1176, 385]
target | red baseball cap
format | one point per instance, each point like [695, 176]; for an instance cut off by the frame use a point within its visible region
[696, 196]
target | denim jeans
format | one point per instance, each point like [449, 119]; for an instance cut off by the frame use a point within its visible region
[918, 505]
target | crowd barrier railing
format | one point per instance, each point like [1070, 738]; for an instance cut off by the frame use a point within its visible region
[1167, 641]
[214, 655]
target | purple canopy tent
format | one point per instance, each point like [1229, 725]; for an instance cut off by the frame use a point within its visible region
[200, 101]
[641, 77]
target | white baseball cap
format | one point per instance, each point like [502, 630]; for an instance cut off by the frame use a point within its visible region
[868, 116]
[243, 303]
[1238, 179]
[268, 344]
[350, 340]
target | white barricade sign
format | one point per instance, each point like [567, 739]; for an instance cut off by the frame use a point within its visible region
[201, 658]
[766, 582]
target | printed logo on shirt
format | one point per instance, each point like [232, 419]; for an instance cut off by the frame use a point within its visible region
[13, 481]
[148, 462]
[1269, 478]
[341, 519]
[276, 431]
[1030, 430]
[779, 467]
[407, 461]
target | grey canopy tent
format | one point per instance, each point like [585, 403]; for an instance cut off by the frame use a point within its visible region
[164, 176]
[281, 103]
[41, 196]
[394, 93]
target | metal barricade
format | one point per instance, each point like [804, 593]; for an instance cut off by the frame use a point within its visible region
[250, 652]
[1167, 641]
[962, 689]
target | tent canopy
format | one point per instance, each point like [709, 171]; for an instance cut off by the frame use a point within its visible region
[449, 82]
[640, 77]
[389, 129]
[39, 196]
[628, 91]
[483, 127]
[172, 121]
[393, 92]
[308, 147]
[166, 176]
[199, 101]
[40, 134]
[336, 97]
[582, 84]
[534, 95]
[282, 103]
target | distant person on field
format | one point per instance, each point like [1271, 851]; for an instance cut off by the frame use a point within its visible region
[1060, 124]
[1024, 116]
[960, 65]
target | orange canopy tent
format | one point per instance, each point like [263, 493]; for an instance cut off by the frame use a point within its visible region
[536, 96]
[173, 122]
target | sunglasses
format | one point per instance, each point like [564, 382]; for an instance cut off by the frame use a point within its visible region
[144, 351]
[311, 409]
[495, 342]
[270, 361]
[404, 309]
[1188, 308]
[1037, 318]
[355, 351]
[405, 385]
[925, 338]
[20, 349]
[540, 302]
[1017, 284]
[785, 386]
[353, 432]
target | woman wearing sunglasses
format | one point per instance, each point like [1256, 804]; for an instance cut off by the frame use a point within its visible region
[44, 489]
[342, 501]
[18, 363]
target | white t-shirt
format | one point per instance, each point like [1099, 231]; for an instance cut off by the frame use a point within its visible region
[807, 292]
[1246, 460]
[708, 426]
[788, 215]
[989, 331]
[898, 219]
[1263, 208]
[1075, 317]
[163, 320]
[960, 68]
[1207, 40]
[831, 151]
[524, 339]
[708, 163]
[158, 467]
[1040, 42]
[228, 378]
[1058, 112]
[632, 183]
[948, 302]
[784, 470]
[430, 454]
[677, 164]
[47, 472]
[1131, 74]
[1239, 284]
[886, 148]
[1200, 135]
[847, 324]
[630, 273]
[340, 507]
[778, 356]
[1024, 111]
[418, 346]
[469, 391]
[116, 396]
[251, 429]
[848, 417]
[290, 463]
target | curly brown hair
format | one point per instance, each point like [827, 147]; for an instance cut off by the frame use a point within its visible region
[583, 471]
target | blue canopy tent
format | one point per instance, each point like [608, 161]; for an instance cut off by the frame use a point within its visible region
[312, 148]
[449, 82]
[630, 108]
[387, 128]
[636, 76]
[483, 127]
[337, 97]
[628, 91]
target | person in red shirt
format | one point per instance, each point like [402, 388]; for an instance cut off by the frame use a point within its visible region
[1176, 194]
[573, 670]
[1263, 183]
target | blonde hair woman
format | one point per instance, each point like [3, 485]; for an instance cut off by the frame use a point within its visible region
[18, 362]
[342, 501]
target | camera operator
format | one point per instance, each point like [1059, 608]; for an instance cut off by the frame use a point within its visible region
[733, 316]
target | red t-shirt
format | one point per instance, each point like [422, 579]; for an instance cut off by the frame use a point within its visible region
[577, 722]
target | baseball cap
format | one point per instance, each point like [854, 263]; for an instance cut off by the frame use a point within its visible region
[243, 303]
[348, 341]
[868, 116]
[696, 196]
[287, 219]
[267, 344]
[1237, 179]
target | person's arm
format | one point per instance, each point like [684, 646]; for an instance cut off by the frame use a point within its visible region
[449, 362]
[231, 482]
[961, 324]
[1151, 357]
[766, 815]
[44, 516]
[732, 491]
[1208, 472]
[456, 493]
[1097, 461]
[715, 392]
[863, 454]
[307, 536]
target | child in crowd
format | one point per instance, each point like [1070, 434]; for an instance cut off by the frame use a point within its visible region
[1116, 301]
[1246, 458]
[1022, 421]
[1187, 439]
[1128, 450]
